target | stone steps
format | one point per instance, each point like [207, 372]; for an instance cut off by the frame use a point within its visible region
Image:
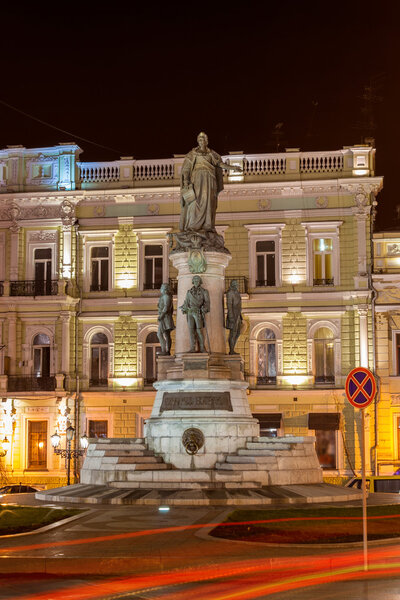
[133, 453]
[139, 459]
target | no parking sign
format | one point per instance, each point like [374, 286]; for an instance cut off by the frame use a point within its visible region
[360, 387]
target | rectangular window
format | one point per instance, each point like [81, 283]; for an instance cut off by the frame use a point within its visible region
[97, 429]
[397, 353]
[99, 366]
[153, 266]
[265, 263]
[325, 426]
[323, 261]
[270, 423]
[325, 446]
[37, 445]
[99, 269]
[42, 263]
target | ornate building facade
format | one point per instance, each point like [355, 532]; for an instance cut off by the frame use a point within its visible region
[84, 250]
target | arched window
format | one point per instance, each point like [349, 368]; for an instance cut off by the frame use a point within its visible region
[266, 357]
[324, 356]
[41, 355]
[99, 360]
[151, 351]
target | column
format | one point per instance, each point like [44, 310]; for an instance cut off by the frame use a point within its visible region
[363, 315]
[362, 243]
[67, 253]
[12, 341]
[14, 257]
[65, 362]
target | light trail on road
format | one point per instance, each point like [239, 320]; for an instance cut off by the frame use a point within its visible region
[240, 580]
[179, 528]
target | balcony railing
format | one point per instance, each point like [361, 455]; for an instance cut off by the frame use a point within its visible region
[242, 283]
[33, 288]
[152, 285]
[265, 283]
[323, 282]
[263, 166]
[173, 284]
[98, 382]
[266, 380]
[325, 379]
[95, 287]
[30, 383]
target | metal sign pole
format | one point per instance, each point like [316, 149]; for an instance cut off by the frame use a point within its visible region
[364, 491]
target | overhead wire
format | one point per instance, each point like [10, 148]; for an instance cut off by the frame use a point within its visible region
[46, 124]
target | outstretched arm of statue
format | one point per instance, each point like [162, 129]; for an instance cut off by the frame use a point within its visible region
[228, 167]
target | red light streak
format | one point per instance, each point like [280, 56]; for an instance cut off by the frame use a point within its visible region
[178, 528]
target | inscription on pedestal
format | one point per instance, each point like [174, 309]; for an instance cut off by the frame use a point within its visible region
[196, 401]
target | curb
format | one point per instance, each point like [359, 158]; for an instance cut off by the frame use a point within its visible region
[85, 512]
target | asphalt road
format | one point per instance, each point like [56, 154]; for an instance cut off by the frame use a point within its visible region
[147, 554]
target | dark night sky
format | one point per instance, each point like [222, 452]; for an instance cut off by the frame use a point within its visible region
[146, 78]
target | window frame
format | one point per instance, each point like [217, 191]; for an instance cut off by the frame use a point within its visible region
[395, 354]
[322, 230]
[99, 239]
[152, 237]
[260, 233]
[33, 243]
[99, 260]
[312, 327]
[256, 328]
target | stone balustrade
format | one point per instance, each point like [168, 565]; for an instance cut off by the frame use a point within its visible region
[291, 164]
[59, 168]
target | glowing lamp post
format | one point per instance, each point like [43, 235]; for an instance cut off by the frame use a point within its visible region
[6, 444]
[68, 452]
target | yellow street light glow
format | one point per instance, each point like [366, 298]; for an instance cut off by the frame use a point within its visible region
[125, 381]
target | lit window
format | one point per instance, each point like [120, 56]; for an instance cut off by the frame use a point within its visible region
[97, 429]
[99, 265]
[325, 446]
[326, 427]
[42, 266]
[41, 355]
[99, 360]
[152, 348]
[323, 265]
[324, 356]
[266, 357]
[153, 266]
[397, 353]
[265, 261]
[37, 445]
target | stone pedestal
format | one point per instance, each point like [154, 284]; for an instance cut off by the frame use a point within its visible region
[214, 282]
[205, 392]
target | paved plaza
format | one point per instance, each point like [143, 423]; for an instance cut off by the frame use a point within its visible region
[131, 542]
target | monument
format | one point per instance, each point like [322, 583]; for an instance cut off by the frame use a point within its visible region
[201, 433]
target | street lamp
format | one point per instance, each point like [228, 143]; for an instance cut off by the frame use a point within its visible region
[5, 447]
[68, 452]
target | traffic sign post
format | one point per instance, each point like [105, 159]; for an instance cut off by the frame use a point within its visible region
[360, 390]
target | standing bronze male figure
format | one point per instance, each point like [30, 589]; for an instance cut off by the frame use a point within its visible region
[234, 314]
[196, 305]
[165, 320]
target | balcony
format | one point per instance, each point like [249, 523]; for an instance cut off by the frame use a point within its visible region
[266, 380]
[323, 282]
[243, 283]
[265, 283]
[30, 383]
[98, 383]
[152, 285]
[34, 288]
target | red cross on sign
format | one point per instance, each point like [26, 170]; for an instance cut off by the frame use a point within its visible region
[360, 387]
